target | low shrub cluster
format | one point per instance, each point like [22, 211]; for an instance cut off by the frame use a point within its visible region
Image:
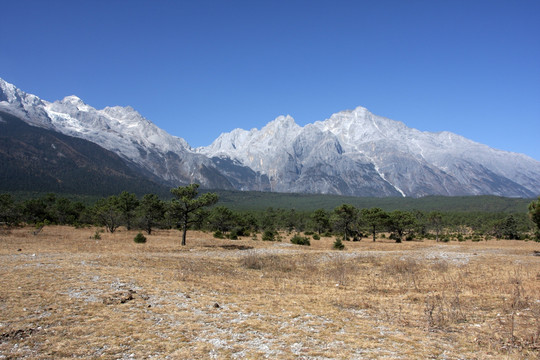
[300, 240]
[140, 238]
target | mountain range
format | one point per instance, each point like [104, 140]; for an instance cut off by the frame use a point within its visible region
[354, 152]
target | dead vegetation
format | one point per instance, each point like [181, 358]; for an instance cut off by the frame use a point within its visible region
[65, 294]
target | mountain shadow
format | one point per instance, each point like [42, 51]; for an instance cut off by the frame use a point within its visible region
[37, 159]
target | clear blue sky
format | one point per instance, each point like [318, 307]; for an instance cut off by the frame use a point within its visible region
[200, 68]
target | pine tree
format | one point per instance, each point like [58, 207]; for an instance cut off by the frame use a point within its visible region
[186, 206]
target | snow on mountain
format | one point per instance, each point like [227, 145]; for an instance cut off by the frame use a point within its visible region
[260, 150]
[409, 161]
[26, 106]
[354, 152]
[120, 129]
[124, 131]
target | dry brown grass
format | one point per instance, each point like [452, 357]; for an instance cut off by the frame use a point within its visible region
[66, 295]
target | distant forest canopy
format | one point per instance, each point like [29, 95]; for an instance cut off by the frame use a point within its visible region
[251, 200]
[259, 201]
[245, 214]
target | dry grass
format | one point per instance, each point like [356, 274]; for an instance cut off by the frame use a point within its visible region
[66, 295]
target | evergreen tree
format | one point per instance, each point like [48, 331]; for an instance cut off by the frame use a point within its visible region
[345, 219]
[222, 219]
[107, 213]
[338, 244]
[186, 206]
[321, 219]
[151, 212]
[510, 230]
[435, 221]
[534, 213]
[127, 204]
[401, 223]
[9, 210]
[375, 219]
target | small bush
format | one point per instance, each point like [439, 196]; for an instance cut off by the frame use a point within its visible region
[396, 237]
[338, 244]
[240, 231]
[316, 237]
[140, 238]
[269, 235]
[219, 235]
[308, 232]
[300, 240]
[237, 232]
[97, 235]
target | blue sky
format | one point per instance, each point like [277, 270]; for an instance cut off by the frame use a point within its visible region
[200, 68]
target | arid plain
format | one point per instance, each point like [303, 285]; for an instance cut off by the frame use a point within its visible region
[64, 294]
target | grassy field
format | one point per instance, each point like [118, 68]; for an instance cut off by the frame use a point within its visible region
[64, 294]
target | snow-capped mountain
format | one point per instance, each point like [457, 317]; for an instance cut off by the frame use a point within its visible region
[356, 152]
[125, 132]
[353, 152]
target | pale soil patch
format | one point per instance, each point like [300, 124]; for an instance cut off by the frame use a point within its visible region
[64, 295]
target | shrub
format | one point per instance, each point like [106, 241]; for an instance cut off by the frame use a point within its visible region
[316, 237]
[97, 235]
[140, 238]
[218, 234]
[308, 232]
[237, 232]
[338, 244]
[394, 236]
[269, 235]
[300, 240]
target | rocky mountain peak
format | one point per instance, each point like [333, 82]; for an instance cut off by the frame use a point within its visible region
[7, 91]
[72, 99]
[282, 121]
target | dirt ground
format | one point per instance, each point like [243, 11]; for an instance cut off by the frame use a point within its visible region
[64, 294]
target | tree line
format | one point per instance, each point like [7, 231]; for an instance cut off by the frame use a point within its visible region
[187, 209]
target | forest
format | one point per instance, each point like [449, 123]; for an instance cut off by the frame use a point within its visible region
[345, 222]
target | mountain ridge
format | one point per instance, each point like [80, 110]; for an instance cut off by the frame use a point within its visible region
[435, 158]
[38, 159]
[354, 152]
